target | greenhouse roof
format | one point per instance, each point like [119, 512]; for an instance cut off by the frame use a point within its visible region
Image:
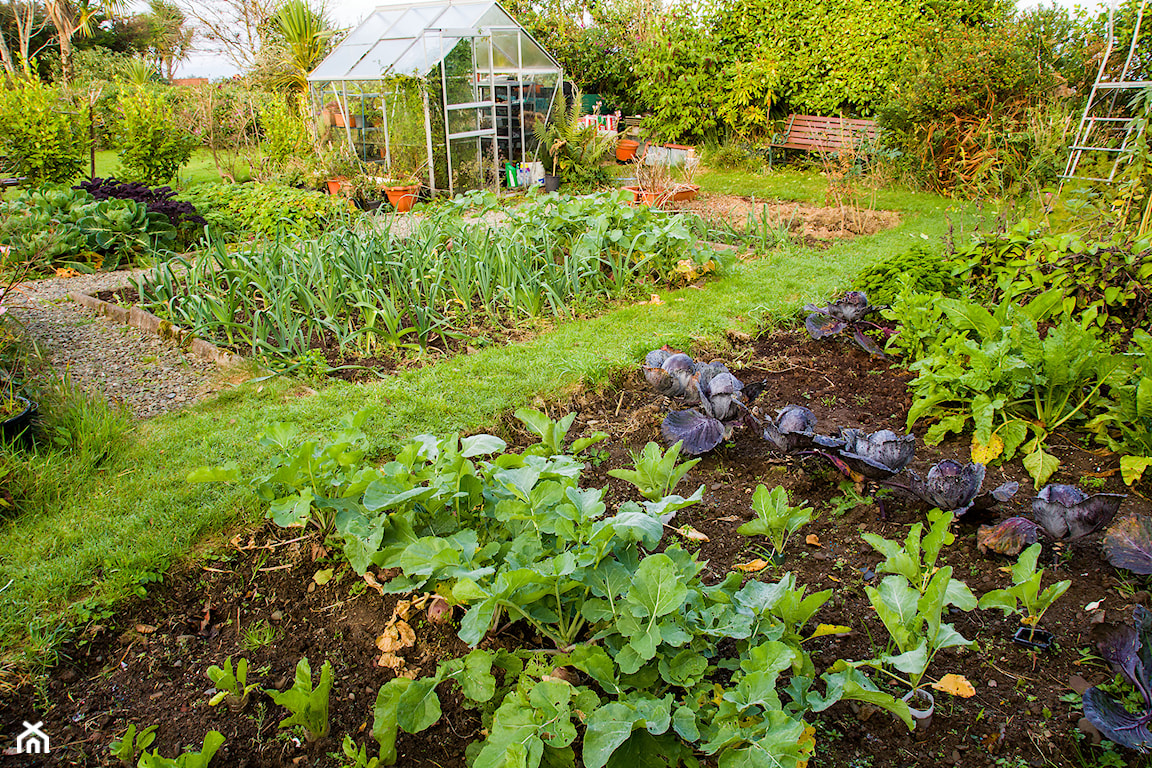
[413, 37]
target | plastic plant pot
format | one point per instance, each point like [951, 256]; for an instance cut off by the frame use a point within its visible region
[19, 423]
[1033, 639]
[551, 183]
[921, 705]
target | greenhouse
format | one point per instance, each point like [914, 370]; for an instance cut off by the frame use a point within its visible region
[443, 93]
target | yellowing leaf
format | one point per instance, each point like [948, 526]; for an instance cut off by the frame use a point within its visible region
[812, 540]
[396, 637]
[1132, 468]
[691, 533]
[986, 454]
[830, 629]
[322, 577]
[957, 685]
[807, 746]
[751, 567]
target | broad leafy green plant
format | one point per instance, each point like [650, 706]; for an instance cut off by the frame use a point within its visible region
[1014, 386]
[132, 743]
[515, 537]
[916, 558]
[212, 742]
[308, 704]
[775, 517]
[914, 620]
[1024, 596]
[232, 686]
[552, 434]
[654, 472]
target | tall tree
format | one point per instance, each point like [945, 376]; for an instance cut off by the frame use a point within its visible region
[21, 22]
[170, 35]
[232, 28]
[72, 17]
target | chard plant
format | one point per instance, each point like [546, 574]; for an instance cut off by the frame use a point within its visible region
[213, 740]
[232, 686]
[1025, 597]
[775, 517]
[1015, 387]
[655, 473]
[308, 705]
[132, 743]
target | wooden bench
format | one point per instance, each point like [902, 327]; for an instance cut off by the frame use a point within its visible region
[812, 133]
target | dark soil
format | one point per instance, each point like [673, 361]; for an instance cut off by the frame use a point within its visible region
[145, 665]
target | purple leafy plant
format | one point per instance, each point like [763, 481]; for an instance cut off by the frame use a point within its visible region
[1064, 513]
[849, 313]
[1128, 544]
[955, 487]
[1128, 649]
[792, 430]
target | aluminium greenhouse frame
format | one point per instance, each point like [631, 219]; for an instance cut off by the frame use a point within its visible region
[456, 83]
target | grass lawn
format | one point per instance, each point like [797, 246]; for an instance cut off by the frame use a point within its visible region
[200, 168]
[139, 514]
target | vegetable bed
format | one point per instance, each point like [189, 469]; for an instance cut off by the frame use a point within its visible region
[277, 595]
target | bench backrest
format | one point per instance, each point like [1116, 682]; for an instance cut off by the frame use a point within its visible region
[815, 133]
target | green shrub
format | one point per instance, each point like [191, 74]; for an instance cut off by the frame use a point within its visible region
[43, 139]
[285, 134]
[151, 144]
[922, 268]
[964, 119]
[266, 209]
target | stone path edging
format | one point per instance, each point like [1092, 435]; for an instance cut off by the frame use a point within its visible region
[149, 323]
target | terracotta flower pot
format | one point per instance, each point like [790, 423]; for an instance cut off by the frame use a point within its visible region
[686, 192]
[402, 198]
[626, 150]
[336, 184]
[647, 196]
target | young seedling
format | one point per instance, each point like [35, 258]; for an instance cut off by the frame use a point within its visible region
[775, 518]
[655, 473]
[212, 742]
[132, 743]
[1024, 596]
[552, 434]
[357, 757]
[232, 688]
[916, 559]
[308, 705]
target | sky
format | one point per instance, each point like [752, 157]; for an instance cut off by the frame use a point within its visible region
[349, 13]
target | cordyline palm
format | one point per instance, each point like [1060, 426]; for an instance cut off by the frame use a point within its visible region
[300, 38]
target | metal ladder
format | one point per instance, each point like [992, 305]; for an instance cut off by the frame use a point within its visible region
[1103, 128]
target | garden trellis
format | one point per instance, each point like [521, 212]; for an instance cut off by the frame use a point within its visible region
[442, 90]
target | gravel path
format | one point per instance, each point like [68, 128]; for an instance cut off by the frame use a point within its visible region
[148, 374]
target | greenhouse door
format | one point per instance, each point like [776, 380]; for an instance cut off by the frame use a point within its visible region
[469, 114]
